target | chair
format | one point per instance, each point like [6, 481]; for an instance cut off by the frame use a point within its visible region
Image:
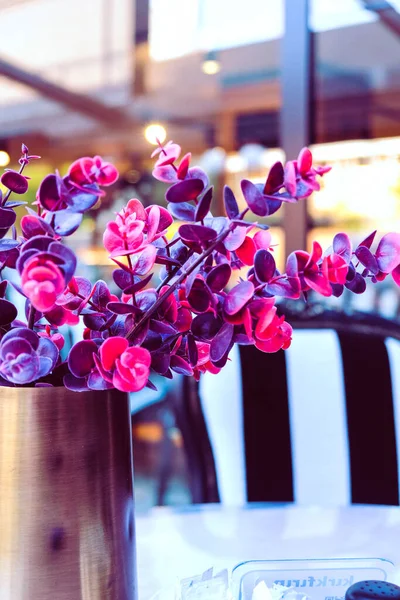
[318, 423]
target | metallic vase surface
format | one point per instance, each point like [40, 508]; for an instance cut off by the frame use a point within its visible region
[66, 495]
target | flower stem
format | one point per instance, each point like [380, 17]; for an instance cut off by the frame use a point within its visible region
[173, 272]
[185, 273]
[31, 317]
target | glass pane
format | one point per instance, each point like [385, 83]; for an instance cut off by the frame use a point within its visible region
[357, 76]
[357, 127]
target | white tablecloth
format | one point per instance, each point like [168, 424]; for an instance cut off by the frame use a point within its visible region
[175, 543]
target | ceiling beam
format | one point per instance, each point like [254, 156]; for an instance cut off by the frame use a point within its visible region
[386, 12]
[81, 103]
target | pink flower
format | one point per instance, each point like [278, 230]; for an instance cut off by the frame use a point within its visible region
[42, 281]
[168, 154]
[88, 170]
[129, 367]
[337, 268]
[275, 336]
[135, 228]
[204, 363]
[312, 273]
[300, 177]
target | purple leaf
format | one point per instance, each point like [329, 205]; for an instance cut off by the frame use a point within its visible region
[273, 202]
[145, 260]
[8, 244]
[101, 294]
[146, 299]
[160, 362]
[264, 266]
[14, 181]
[290, 178]
[368, 240]
[238, 297]
[162, 327]
[7, 218]
[8, 312]
[96, 382]
[182, 212]
[192, 277]
[342, 246]
[199, 297]
[140, 335]
[80, 358]
[81, 201]
[49, 351]
[388, 252]
[254, 198]
[166, 260]
[197, 173]
[218, 278]
[203, 206]
[275, 179]
[357, 285]
[337, 289]
[66, 222]
[151, 385]
[197, 234]
[235, 239]
[221, 343]
[193, 353]
[68, 257]
[122, 308]
[75, 384]
[48, 193]
[180, 365]
[33, 225]
[184, 191]
[285, 287]
[122, 278]
[367, 259]
[14, 204]
[166, 174]
[205, 326]
[231, 206]
[139, 285]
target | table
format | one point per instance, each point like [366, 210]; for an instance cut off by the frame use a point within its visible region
[186, 541]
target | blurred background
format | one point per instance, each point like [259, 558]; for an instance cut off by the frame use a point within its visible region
[240, 85]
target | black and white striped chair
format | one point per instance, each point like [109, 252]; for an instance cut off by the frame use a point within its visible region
[318, 423]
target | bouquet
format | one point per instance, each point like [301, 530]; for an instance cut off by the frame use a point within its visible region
[184, 320]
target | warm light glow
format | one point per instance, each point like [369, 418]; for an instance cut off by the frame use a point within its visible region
[211, 67]
[155, 133]
[235, 163]
[4, 158]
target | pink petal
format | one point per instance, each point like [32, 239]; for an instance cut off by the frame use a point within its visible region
[304, 161]
[112, 349]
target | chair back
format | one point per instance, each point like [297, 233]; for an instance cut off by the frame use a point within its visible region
[317, 423]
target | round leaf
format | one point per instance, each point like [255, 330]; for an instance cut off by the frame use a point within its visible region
[254, 198]
[231, 206]
[203, 206]
[184, 191]
[219, 277]
[264, 266]
[197, 234]
[221, 342]
[238, 297]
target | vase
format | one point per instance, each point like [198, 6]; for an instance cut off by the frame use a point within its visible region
[66, 495]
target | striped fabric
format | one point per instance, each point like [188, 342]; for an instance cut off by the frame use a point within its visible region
[319, 423]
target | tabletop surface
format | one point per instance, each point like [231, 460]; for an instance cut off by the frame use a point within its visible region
[178, 543]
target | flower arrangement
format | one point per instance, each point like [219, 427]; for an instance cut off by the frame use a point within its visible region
[185, 323]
